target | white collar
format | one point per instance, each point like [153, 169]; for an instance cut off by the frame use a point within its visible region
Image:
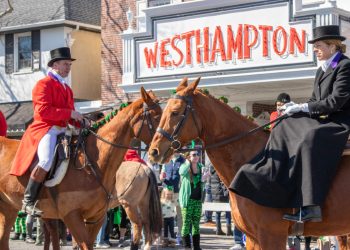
[59, 78]
[327, 63]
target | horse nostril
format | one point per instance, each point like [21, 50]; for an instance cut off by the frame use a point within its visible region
[154, 152]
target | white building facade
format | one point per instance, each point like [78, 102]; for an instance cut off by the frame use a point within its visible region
[247, 50]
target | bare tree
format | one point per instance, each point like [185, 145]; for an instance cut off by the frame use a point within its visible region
[9, 9]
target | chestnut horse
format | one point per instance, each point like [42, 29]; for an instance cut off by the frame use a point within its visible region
[192, 114]
[136, 190]
[82, 198]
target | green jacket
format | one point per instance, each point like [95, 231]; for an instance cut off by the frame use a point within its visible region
[185, 186]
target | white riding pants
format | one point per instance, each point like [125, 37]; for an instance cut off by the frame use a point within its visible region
[46, 147]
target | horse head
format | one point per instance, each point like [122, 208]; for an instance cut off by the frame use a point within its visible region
[178, 124]
[147, 115]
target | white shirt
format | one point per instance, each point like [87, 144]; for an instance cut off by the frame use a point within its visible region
[327, 63]
[59, 78]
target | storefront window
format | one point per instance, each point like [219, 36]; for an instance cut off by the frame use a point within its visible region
[152, 3]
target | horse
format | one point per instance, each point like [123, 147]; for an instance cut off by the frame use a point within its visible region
[136, 190]
[192, 114]
[82, 198]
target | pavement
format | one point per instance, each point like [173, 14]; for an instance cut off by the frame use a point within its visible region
[209, 240]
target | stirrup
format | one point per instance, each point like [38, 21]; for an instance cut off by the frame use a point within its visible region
[32, 210]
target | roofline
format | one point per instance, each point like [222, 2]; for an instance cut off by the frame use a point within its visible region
[78, 25]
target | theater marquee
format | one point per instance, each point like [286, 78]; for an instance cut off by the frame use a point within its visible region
[224, 41]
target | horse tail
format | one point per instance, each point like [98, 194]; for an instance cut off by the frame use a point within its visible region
[155, 209]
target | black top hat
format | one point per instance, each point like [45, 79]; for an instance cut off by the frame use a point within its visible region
[283, 97]
[326, 32]
[60, 54]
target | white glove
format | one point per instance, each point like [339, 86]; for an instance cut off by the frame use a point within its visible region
[292, 109]
[295, 108]
[285, 106]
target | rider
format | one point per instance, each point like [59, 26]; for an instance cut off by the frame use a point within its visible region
[53, 105]
[299, 162]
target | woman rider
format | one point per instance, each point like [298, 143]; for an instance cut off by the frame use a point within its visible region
[299, 162]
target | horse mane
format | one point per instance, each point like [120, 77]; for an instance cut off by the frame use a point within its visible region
[107, 118]
[225, 106]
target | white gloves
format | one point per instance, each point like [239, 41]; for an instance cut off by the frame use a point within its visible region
[292, 108]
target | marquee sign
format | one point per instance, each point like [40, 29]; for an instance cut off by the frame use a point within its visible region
[228, 40]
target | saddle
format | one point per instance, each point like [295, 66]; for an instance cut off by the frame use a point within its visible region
[61, 159]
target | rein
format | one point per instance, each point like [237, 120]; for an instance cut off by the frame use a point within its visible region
[81, 142]
[146, 117]
[175, 144]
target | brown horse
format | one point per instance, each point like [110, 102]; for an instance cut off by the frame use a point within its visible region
[213, 122]
[82, 198]
[136, 190]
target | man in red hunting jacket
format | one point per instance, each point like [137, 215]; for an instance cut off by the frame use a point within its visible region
[53, 105]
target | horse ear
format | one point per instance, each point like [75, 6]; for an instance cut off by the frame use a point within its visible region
[182, 85]
[146, 98]
[153, 96]
[190, 89]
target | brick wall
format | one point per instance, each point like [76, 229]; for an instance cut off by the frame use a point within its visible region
[113, 23]
[259, 107]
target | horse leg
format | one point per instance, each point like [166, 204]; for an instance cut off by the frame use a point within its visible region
[143, 208]
[47, 239]
[52, 229]
[7, 219]
[269, 240]
[136, 224]
[75, 222]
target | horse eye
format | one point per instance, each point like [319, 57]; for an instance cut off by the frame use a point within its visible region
[174, 113]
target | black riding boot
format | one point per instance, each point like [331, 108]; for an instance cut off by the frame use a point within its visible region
[196, 242]
[308, 213]
[186, 241]
[32, 191]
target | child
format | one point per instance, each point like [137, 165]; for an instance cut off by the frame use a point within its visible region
[20, 227]
[169, 213]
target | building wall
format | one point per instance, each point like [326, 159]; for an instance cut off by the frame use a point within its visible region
[86, 73]
[86, 70]
[18, 86]
[113, 23]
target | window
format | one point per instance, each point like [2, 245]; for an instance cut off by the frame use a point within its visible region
[153, 3]
[22, 52]
[24, 59]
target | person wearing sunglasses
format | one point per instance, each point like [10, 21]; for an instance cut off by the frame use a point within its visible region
[190, 199]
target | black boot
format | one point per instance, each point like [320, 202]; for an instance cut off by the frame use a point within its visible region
[186, 241]
[219, 230]
[30, 197]
[31, 193]
[229, 230]
[196, 242]
[309, 213]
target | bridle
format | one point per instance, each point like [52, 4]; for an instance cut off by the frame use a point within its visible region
[146, 118]
[175, 144]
